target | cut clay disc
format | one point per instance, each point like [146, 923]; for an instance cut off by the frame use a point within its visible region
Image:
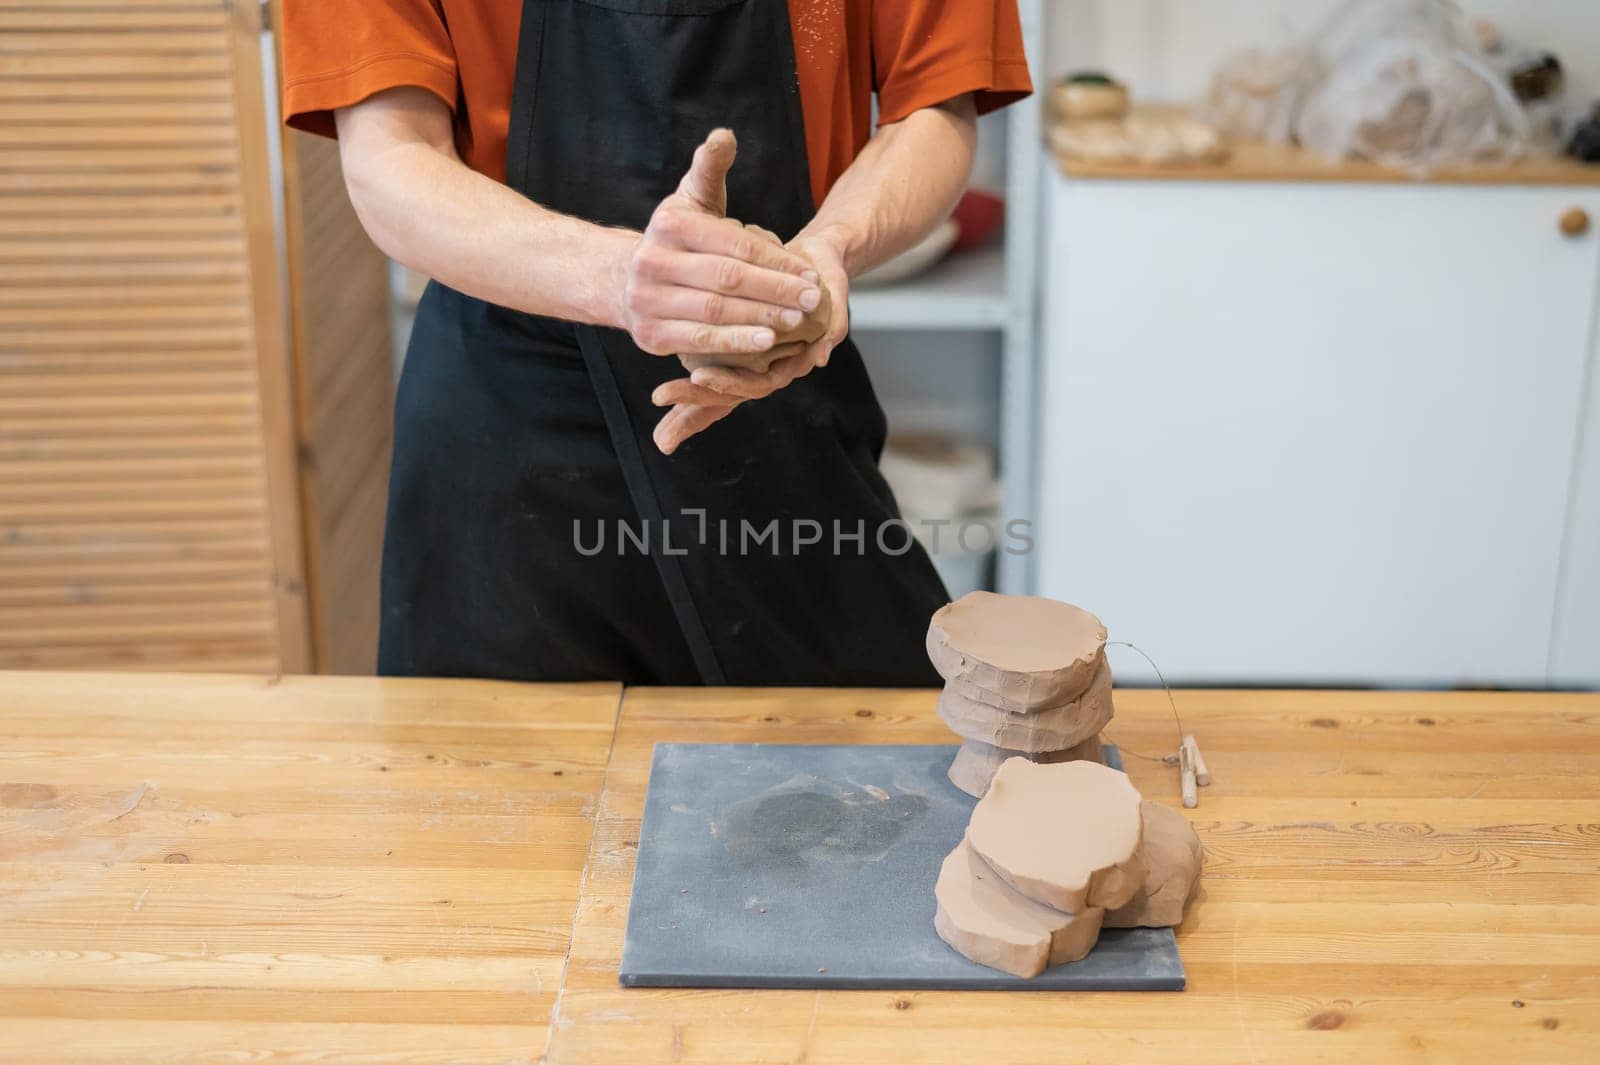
[976, 762]
[988, 922]
[1013, 703]
[1050, 729]
[1025, 649]
[1065, 835]
[1172, 855]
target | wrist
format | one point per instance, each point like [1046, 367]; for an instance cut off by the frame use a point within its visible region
[606, 305]
[841, 238]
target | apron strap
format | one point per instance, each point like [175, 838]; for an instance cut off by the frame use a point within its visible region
[625, 441]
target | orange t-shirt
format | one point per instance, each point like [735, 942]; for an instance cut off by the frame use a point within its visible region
[912, 53]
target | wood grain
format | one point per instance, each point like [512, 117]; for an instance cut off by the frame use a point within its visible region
[1390, 877]
[141, 318]
[224, 869]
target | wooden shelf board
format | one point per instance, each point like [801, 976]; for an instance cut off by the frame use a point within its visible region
[1271, 162]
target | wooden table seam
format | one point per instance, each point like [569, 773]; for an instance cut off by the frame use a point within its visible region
[583, 877]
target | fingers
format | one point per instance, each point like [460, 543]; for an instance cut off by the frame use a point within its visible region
[766, 234]
[839, 327]
[732, 277]
[822, 351]
[706, 183]
[692, 390]
[670, 336]
[698, 305]
[694, 230]
[829, 261]
[681, 302]
[699, 283]
[684, 421]
[730, 382]
[681, 390]
[696, 405]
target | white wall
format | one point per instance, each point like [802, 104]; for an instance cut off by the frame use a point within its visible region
[1166, 49]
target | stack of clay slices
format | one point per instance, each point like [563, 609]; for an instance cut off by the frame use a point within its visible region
[1060, 845]
[1024, 677]
[1055, 853]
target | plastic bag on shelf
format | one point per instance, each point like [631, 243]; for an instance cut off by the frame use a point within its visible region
[1255, 94]
[1404, 84]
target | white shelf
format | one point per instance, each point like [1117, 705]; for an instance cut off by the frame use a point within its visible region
[965, 291]
[993, 290]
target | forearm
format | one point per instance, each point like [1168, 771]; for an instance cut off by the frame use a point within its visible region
[905, 181]
[694, 282]
[425, 208]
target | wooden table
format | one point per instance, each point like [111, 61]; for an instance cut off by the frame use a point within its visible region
[346, 870]
[1390, 878]
[332, 870]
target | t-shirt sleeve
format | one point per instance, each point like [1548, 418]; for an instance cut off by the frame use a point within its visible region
[925, 52]
[339, 52]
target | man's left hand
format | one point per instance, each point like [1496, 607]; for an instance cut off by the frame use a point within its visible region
[711, 393]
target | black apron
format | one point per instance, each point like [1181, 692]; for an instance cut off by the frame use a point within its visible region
[522, 444]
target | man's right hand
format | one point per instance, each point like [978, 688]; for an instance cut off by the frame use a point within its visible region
[699, 283]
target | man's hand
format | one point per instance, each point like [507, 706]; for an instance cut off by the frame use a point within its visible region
[742, 383]
[710, 393]
[699, 283]
[904, 182]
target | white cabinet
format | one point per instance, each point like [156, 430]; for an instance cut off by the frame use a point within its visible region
[1325, 432]
[1575, 642]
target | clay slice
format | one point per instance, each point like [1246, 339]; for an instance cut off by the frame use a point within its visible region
[1026, 651]
[1172, 855]
[1010, 703]
[1064, 835]
[1051, 729]
[989, 923]
[976, 762]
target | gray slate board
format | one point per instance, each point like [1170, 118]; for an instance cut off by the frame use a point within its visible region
[809, 866]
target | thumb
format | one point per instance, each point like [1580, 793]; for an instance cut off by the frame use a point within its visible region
[706, 183]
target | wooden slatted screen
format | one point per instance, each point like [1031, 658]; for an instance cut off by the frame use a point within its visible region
[147, 499]
[344, 374]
